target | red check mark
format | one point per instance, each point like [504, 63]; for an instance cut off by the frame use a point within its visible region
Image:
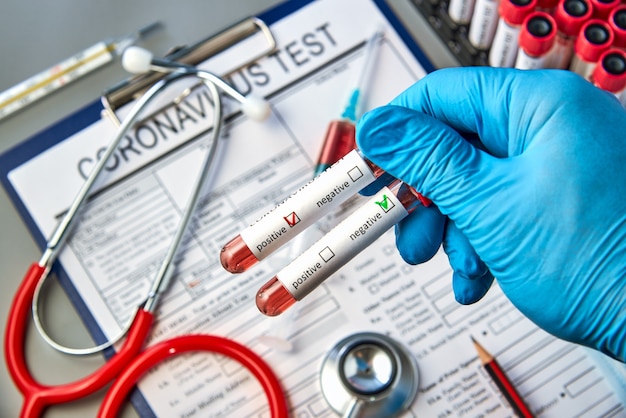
[292, 219]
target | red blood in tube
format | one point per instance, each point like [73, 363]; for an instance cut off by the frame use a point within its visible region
[236, 257]
[272, 299]
[339, 140]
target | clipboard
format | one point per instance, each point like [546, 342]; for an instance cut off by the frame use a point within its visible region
[123, 93]
[517, 341]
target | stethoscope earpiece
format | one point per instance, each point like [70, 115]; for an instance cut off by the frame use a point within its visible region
[137, 60]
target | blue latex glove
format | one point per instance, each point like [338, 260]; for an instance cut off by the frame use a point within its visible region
[543, 208]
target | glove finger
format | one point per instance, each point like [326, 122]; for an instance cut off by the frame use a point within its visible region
[471, 278]
[462, 98]
[416, 248]
[431, 157]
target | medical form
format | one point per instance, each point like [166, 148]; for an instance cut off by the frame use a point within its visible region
[113, 254]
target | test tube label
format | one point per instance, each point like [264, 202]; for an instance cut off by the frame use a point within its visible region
[342, 243]
[307, 205]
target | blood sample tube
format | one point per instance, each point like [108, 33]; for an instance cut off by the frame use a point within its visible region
[311, 202]
[536, 41]
[602, 8]
[483, 24]
[570, 15]
[594, 38]
[339, 140]
[333, 250]
[610, 73]
[505, 42]
[617, 22]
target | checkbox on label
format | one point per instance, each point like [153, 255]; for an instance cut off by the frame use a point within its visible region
[292, 219]
[355, 173]
[327, 254]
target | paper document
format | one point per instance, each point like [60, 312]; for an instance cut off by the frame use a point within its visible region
[114, 252]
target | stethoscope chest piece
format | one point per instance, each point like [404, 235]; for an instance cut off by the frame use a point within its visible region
[369, 375]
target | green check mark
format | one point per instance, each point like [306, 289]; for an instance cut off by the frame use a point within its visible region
[385, 203]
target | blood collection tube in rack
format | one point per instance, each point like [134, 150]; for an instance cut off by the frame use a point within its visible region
[340, 245]
[483, 24]
[505, 44]
[570, 16]
[610, 73]
[594, 38]
[617, 22]
[536, 41]
[460, 11]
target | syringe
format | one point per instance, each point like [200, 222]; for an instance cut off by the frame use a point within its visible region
[333, 250]
[339, 139]
[63, 73]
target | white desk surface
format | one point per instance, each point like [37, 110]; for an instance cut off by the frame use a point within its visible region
[38, 36]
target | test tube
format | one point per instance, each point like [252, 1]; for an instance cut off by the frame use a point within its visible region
[570, 15]
[617, 22]
[595, 37]
[505, 42]
[536, 41]
[333, 250]
[460, 11]
[610, 73]
[311, 202]
[483, 24]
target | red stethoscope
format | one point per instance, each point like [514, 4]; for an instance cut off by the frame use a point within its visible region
[130, 363]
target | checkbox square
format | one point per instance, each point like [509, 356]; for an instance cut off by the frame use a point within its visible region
[355, 173]
[327, 254]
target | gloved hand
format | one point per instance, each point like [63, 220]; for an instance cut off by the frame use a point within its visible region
[542, 208]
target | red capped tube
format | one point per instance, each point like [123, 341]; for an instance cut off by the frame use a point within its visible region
[536, 41]
[570, 15]
[595, 37]
[617, 22]
[339, 140]
[610, 73]
[505, 41]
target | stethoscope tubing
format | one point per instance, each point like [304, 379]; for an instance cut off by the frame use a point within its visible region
[126, 364]
[38, 396]
[126, 381]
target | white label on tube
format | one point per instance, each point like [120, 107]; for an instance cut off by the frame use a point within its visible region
[483, 24]
[528, 62]
[342, 243]
[581, 67]
[505, 45]
[310, 203]
[460, 11]
[563, 51]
